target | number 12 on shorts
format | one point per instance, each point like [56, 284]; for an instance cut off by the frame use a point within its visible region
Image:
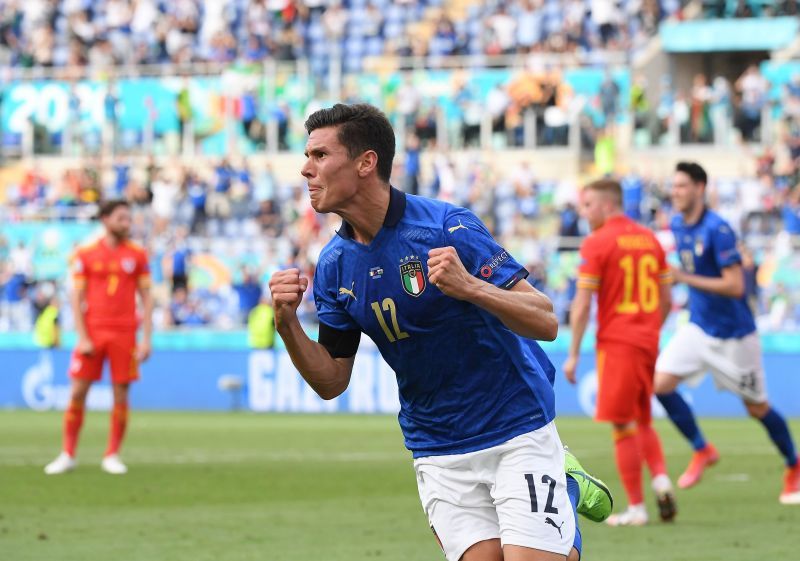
[548, 507]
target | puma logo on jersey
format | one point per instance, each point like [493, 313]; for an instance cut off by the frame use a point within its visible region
[454, 228]
[349, 291]
[550, 521]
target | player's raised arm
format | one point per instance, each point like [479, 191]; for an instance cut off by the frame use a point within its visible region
[523, 309]
[328, 376]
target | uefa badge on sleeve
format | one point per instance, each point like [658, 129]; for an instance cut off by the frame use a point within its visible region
[412, 275]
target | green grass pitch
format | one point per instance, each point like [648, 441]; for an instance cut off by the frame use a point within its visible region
[236, 487]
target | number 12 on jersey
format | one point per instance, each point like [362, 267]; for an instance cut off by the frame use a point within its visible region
[389, 306]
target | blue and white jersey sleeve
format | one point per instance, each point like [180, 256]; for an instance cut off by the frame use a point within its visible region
[724, 243]
[329, 310]
[481, 255]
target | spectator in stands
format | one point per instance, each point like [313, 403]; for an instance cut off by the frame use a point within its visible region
[791, 212]
[261, 325]
[609, 98]
[503, 29]
[253, 127]
[180, 258]
[186, 311]
[183, 108]
[269, 218]
[15, 311]
[282, 116]
[408, 100]
[166, 191]
[46, 331]
[700, 120]
[743, 10]
[249, 291]
[411, 165]
[605, 16]
[529, 24]
[218, 203]
[197, 191]
[752, 87]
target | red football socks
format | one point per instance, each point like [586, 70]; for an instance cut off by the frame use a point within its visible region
[650, 445]
[73, 420]
[629, 464]
[119, 421]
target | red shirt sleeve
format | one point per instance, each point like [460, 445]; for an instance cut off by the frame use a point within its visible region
[143, 268]
[591, 266]
[79, 268]
[664, 272]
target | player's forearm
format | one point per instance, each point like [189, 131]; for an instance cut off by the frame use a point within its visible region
[665, 301]
[723, 286]
[76, 302]
[578, 321]
[147, 316]
[526, 313]
[327, 376]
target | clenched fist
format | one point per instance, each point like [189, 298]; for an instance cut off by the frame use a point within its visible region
[447, 273]
[287, 288]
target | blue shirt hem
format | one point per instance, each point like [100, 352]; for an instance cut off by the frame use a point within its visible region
[484, 441]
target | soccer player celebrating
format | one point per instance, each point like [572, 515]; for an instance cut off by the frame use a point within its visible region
[107, 275]
[624, 263]
[446, 309]
[721, 335]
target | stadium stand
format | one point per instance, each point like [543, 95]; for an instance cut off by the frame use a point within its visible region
[188, 110]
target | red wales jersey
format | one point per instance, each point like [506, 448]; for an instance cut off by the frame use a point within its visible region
[624, 263]
[111, 276]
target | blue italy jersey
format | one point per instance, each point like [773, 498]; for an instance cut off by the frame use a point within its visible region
[705, 248]
[466, 381]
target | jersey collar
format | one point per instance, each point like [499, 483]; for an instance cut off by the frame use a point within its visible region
[397, 207]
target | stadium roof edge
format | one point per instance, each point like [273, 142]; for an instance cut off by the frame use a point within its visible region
[702, 36]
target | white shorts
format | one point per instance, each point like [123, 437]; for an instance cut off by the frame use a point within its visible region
[735, 364]
[516, 491]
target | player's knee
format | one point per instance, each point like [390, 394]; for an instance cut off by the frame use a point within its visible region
[623, 431]
[624, 427]
[757, 410]
[79, 391]
[120, 394]
[664, 383]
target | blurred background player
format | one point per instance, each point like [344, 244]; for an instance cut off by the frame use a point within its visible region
[477, 412]
[721, 335]
[108, 273]
[625, 265]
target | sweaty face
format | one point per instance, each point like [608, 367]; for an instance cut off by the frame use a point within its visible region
[686, 194]
[592, 208]
[331, 174]
[118, 223]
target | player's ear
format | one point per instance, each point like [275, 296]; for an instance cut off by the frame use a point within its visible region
[367, 162]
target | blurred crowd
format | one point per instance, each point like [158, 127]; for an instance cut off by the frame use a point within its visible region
[711, 110]
[218, 228]
[216, 231]
[749, 8]
[105, 33]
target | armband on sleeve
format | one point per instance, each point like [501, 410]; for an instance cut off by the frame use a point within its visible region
[339, 343]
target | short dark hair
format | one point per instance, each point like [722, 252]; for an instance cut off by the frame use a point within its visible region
[109, 206]
[609, 187]
[694, 171]
[362, 127]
